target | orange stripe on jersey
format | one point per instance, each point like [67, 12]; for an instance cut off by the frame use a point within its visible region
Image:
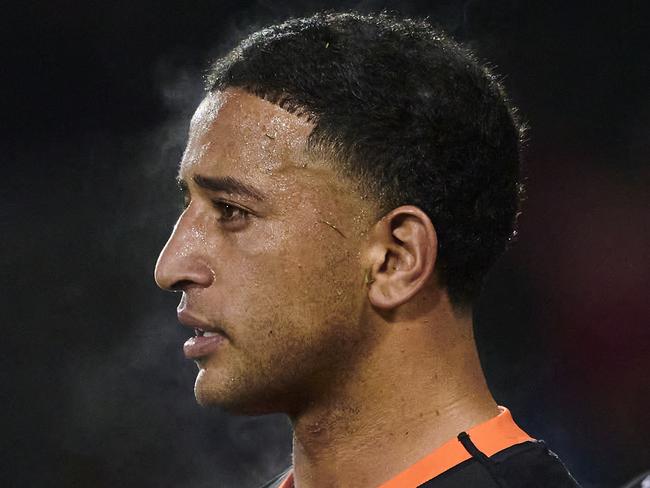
[288, 481]
[490, 437]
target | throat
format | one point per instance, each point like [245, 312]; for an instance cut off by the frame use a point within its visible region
[373, 446]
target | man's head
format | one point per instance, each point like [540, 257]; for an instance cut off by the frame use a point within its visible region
[408, 113]
[381, 163]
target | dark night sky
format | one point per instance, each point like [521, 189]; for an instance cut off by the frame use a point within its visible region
[95, 102]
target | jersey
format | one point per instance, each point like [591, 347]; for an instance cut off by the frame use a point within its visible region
[494, 454]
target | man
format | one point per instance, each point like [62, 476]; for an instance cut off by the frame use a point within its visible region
[348, 182]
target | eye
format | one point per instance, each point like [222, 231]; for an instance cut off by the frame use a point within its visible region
[229, 213]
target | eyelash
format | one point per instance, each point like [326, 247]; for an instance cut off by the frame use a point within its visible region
[220, 205]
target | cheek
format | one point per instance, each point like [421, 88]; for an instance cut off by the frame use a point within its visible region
[316, 288]
[306, 281]
[278, 273]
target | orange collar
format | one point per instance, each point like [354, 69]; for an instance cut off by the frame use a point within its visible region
[490, 437]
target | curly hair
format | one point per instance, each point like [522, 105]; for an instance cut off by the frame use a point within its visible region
[409, 114]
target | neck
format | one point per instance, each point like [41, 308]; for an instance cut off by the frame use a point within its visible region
[419, 387]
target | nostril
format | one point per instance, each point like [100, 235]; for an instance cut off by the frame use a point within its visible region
[181, 285]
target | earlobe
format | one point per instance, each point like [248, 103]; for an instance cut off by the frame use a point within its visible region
[405, 251]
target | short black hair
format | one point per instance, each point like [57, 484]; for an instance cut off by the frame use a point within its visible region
[409, 114]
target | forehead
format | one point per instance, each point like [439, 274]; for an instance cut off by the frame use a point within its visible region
[238, 135]
[236, 132]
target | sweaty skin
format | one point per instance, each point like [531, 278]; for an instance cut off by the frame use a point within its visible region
[373, 373]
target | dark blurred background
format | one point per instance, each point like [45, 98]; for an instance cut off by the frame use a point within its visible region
[95, 102]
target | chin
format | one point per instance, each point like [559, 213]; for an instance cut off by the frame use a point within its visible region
[232, 405]
[209, 392]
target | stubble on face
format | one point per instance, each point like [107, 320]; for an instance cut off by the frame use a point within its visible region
[288, 286]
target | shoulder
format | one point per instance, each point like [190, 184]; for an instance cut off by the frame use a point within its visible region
[533, 464]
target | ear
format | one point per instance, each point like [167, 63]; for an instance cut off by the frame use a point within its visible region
[403, 251]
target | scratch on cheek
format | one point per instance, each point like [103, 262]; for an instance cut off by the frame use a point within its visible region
[332, 226]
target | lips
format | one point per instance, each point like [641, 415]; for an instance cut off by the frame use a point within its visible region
[199, 326]
[201, 347]
[207, 338]
[206, 333]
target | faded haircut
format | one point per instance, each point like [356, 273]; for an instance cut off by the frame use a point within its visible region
[407, 113]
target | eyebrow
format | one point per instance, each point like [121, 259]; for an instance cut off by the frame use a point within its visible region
[226, 184]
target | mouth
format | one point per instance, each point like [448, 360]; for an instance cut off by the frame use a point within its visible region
[200, 347]
[206, 333]
[201, 327]
[207, 338]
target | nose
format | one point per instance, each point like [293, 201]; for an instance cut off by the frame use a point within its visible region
[183, 261]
